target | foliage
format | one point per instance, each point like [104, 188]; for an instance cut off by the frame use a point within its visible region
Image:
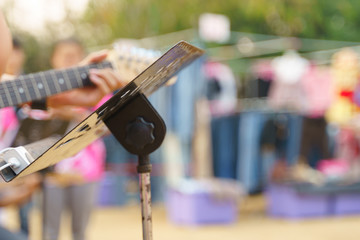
[107, 20]
[337, 20]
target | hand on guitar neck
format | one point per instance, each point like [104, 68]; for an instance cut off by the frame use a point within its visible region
[84, 85]
[105, 82]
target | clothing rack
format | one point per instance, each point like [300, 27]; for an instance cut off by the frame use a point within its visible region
[249, 48]
[243, 47]
[260, 104]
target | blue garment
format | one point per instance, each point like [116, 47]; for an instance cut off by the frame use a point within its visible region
[24, 211]
[176, 104]
[224, 145]
[115, 152]
[187, 89]
[294, 138]
[268, 159]
[248, 165]
[7, 235]
[161, 100]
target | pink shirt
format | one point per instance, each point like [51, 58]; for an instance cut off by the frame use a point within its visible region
[8, 126]
[90, 162]
[319, 90]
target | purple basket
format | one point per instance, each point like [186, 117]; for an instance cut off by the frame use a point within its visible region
[284, 201]
[347, 203]
[199, 208]
[113, 190]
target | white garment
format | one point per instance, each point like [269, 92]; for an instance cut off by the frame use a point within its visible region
[290, 67]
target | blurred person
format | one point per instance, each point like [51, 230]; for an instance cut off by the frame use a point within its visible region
[16, 60]
[19, 192]
[105, 81]
[9, 126]
[14, 67]
[72, 183]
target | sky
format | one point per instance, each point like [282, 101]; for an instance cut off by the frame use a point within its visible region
[31, 15]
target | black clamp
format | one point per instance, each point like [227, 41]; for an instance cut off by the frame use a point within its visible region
[139, 128]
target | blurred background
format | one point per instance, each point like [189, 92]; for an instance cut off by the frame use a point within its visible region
[262, 132]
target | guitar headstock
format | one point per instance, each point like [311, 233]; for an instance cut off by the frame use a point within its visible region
[130, 60]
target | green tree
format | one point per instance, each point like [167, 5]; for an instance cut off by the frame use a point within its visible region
[107, 20]
[337, 20]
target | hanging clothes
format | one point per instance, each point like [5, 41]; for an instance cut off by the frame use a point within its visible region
[222, 89]
[248, 167]
[318, 86]
[263, 69]
[224, 134]
[286, 92]
[345, 67]
[345, 71]
[295, 126]
[290, 67]
[258, 86]
[341, 111]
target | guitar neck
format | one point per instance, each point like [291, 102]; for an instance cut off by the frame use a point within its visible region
[36, 86]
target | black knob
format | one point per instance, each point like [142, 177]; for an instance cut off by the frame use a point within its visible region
[139, 133]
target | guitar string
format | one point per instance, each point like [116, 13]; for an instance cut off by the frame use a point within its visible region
[58, 74]
[27, 85]
[18, 83]
[147, 54]
[11, 89]
[32, 90]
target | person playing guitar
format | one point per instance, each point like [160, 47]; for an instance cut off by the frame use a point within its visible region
[104, 82]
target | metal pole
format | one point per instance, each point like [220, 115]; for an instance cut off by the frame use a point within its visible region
[145, 198]
[144, 170]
